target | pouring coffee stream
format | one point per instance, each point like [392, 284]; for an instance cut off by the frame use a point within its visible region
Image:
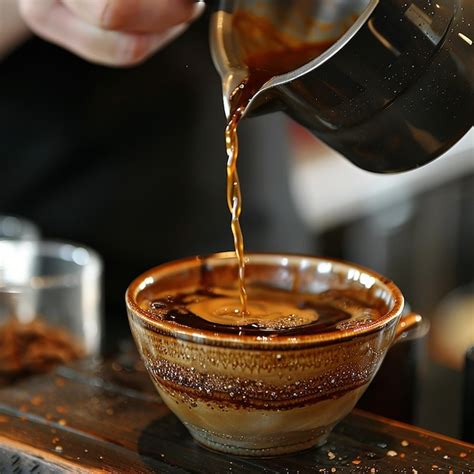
[267, 53]
[387, 84]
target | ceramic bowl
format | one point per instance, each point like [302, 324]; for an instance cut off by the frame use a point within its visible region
[264, 396]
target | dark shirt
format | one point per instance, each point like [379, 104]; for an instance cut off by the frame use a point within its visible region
[131, 161]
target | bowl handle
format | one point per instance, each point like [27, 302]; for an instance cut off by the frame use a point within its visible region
[407, 326]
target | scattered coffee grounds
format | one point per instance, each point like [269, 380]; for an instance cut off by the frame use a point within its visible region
[33, 348]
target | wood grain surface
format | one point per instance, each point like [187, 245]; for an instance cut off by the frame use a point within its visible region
[98, 416]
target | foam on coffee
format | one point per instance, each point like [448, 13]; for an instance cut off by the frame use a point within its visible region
[277, 314]
[270, 311]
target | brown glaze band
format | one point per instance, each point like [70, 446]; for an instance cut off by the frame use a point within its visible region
[266, 342]
[245, 393]
[215, 359]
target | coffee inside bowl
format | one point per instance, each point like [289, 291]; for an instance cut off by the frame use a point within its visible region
[270, 311]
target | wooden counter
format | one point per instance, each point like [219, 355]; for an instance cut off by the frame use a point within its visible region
[106, 417]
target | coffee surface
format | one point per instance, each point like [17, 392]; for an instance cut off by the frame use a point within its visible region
[266, 53]
[270, 312]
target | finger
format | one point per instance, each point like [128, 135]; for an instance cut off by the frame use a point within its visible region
[54, 22]
[139, 16]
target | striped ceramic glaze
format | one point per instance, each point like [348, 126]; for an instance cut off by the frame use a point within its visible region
[255, 396]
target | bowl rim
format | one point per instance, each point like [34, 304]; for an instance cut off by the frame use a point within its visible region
[177, 331]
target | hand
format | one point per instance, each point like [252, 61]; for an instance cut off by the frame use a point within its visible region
[110, 32]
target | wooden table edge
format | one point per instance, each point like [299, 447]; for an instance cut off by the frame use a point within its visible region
[413, 428]
[38, 454]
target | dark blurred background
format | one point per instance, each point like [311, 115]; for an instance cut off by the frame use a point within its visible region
[416, 228]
